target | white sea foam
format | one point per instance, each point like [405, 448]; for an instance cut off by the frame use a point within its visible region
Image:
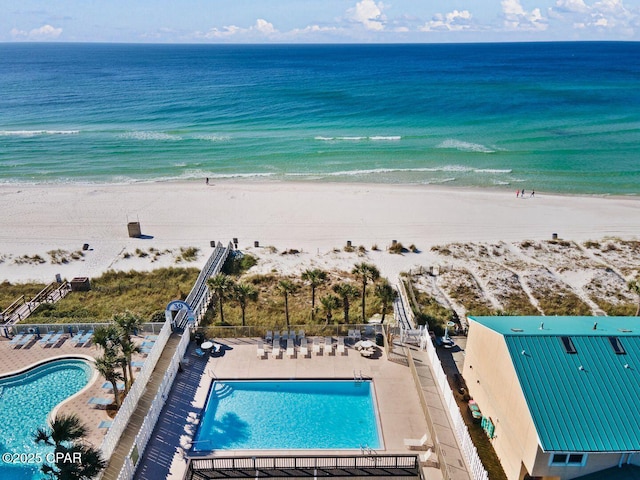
[33, 133]
[493, 170]
[375, 138]
[391, 138]
[465, 146]
[180, 164]
[142, 135]
[213, 138]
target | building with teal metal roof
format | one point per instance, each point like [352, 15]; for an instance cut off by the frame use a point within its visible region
[561, 394]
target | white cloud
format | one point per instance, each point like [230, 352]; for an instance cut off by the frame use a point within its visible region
[604, 16]
[46, 32]
[261, 27]
[369, 14]
[452, 21]
[517, 18]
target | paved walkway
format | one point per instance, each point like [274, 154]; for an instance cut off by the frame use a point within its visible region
[455, 466]
[128, 436]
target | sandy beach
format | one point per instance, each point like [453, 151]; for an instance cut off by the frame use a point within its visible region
[313, 218]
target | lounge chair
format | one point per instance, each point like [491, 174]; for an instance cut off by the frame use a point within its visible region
[198, 352]
[275, 351]
[78, 338]
[291, 349]
[15, 340]
[100, 402]
[147, 344]
[151, 337]
[328, 345]
[300, 334]
[138, 364]
[429, 458]
[341, 349]
[25, 340]
[260, 349]
[292, 334]
[269, 336]
[417, 443]
[105, 424]
[43, 341]
[316, 346]
[56, 338]
[304, 350]
[276, 337]
[109, 386]
[85, 339]
[357, 335]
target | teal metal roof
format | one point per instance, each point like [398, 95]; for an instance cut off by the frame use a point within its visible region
[588, 401]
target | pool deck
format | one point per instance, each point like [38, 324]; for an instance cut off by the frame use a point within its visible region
[12, 360]
[398, 405]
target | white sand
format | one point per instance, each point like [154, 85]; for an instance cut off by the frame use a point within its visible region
[312, 217]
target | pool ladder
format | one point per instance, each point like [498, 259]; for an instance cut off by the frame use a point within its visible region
[357, 377]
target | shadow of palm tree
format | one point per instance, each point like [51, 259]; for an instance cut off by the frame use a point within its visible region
[230, 430]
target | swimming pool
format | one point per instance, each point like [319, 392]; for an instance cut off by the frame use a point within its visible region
[289, 415]
[26, 399]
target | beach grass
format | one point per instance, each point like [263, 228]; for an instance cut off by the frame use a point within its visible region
[143, 293]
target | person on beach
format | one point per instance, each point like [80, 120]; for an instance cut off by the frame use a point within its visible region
[517, 193]
[207, 181]
[533, 192]
[522, 193]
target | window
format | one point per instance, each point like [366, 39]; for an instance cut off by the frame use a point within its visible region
[617, 346]
[568, 459]
[568, 345]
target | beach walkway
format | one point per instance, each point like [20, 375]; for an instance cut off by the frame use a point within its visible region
[133, 427]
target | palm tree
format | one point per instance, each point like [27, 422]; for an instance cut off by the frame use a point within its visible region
[347, 292]
[128, 325]
[65, 433]
[106, 366]
[329, 303]
[287, 287]
[315, 277]
[634, 286]
[244, 293]
[365, 272]
[386, 294]
[222, 285]
[108, 337]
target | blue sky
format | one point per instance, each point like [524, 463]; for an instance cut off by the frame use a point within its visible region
[317, 21]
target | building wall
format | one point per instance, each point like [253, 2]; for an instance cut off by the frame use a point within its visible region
[493, 383]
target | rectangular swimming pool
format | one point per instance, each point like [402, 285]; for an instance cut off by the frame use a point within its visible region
[289, 415]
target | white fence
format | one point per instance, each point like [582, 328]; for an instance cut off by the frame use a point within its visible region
[130, 404]
[467, 447]
[150, 420]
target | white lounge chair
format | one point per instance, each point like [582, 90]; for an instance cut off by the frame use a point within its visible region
[291, 349]
[275, 351]
[316, 346]
[417, 443]
[45, 338]
[269, 336]
[304, 350]
[328, 345]
[26, 339]
[341, 349]
[56, 338]
[300, 334]
[100, 402]
[15, 340]
[429, 459]
[260, 350]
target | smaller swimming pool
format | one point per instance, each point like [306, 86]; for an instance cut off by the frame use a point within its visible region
[26, 399]
[289, 415]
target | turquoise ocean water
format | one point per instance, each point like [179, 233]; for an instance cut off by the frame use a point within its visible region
[562, 117]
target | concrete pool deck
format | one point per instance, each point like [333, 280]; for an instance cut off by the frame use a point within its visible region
[16, 359]
[399, 409]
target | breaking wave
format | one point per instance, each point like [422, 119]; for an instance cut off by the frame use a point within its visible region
[465, 146]
[34, 133]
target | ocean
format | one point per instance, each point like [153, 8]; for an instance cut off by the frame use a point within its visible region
[555, 117]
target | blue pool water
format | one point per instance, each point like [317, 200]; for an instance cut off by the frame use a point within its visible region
[26, 400]
[278, 415]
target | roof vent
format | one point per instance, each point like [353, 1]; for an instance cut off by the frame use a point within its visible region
[568, 345]
[626, 365]
[517, 330]
[523, 352]
[580, 367]
[617, 346]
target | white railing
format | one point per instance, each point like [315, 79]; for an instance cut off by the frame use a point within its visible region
[405, 303]
[467, 447]
[144, 434]
[130, 403]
